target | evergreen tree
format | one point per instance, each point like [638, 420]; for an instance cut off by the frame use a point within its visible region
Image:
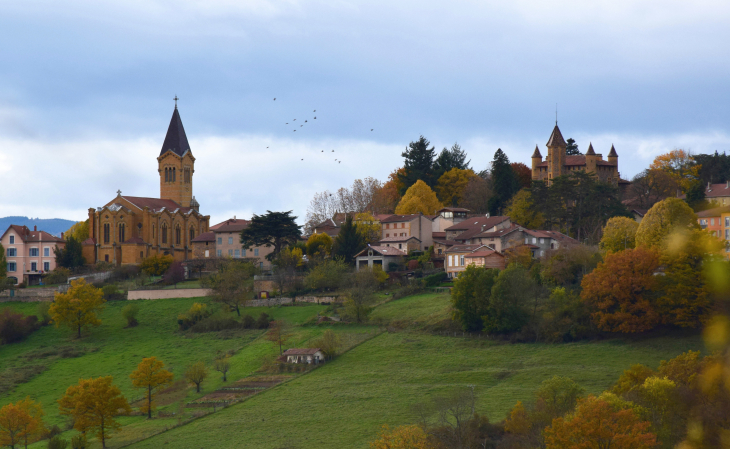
[418, 164]
[71, 256]
[571, 148]
[448, 160]
[276, 229]
[5, 283]
[714, 168]
[348, 242]
[504, 182]
[695, 194]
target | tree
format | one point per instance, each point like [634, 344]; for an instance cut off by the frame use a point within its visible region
[175, 273]
[402, 437]
[558, 396]
[714, 168]
[93, 404]
[664, 218]
[569, 264]
[329, 344]
[504, 182]
[196, 374]
[79, 230]
[358, 198]
[368, 227]
[70, 256]
[278, 333]
[329, 275]
[363, 284]
[129, 312]
[5, 282]
[79, 307]
[619, 234]
[319, 246]
[571, 148]
[651, 186]
[418, 164]
[451, 185]
[621, 291]
[470, 296]
[150, 375]
[157, 265]
[386, 198]
[222, 365]
[419, 198]
[632, 378]
[348, 242]
[276, 229]
[449, 159]
[523, 173]
[596, 424]
[680, 165]
[476, 195]
[521, 210]
[513, 300]
[233, 284]
[20, 422]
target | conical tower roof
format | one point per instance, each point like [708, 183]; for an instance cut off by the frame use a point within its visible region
[556, 138]
[175, 140]
[537, 153]
[590, 151]
[613, 152]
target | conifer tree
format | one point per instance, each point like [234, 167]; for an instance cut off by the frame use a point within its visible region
[418, 164]
[571, 148]
[504, 182]
[348, 242]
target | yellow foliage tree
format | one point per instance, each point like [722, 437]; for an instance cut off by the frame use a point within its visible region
[150, 375]
[20, 422]
[451, 185]
[290, 257]
[664, 218]
[522, 210]
[94, 403]
[619, 234]
[518, 422]
[368, 227]
[79, 231]
[402, 437]
[679, 165]
[157, 265]
[78, 307]
[319, 245]
[418, 198]
[196, 374]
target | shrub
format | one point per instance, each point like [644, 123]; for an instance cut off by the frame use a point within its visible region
[434, 280]
[248, 322]
[111, 293]
[129, 312]
[15, 327]
[57, 443]
[22, 285]
[263, 321]
[157, 265]
[196, 313]
[214, 323]
[175, 273]
[52, 432]
[58, 276]
[102, 266]
[413, 265]
[125, 272]
[329, 275]
[44, 316]
[79, 442]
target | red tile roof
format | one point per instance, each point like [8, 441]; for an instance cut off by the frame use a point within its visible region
[483, 253]
[231, 225]
[301, 351]
[474, 226]
[717, 190]
[464, 248]
[398, 239]
[155, 204]
[400, 218]
[205, 237]
[577, 160]
[26, 234]
[438, 235]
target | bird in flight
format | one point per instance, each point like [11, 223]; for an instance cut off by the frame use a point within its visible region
[302, 158]
[305, 121]
[301, 126]
[314, 110]
[294, 120]
[295, 130]
[267, 147]
[333, 151]
[286, 123]
[371, 129]
[274, 98]
[322, 151]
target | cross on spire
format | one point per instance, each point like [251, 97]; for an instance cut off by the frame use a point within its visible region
[175, 101]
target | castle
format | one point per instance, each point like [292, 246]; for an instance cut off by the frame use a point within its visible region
[558, 163]
[128, 229]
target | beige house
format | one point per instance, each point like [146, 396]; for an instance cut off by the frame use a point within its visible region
[456, 258]
[411, 225]
[29, 254]
[227, 236]
[485, 258]
[381, 256]
[447, 217]
[311, 356]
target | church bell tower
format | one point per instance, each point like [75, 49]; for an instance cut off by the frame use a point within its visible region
[176, 164]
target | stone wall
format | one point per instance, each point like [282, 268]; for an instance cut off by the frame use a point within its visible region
[32, 294]
[168, 294]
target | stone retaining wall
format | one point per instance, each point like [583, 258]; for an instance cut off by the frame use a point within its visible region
[32, 294]
[168, 294]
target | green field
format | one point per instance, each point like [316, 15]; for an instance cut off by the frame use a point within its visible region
[341, 404]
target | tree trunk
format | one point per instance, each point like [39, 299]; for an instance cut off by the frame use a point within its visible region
[224, 376]
[103, 439]
[149, 401]
[238, 310]
[198, 387]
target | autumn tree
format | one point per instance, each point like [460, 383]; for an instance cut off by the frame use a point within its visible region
[680, 165]
[150, 375]
[418, 164]
[523, 174]
[329, 344]
[386, 198]
[619, 234]
[402, 437]
[360, 197]
[476, 195]
[621, 291]
[278, 333]
[79, 231]
[319, 246]
[569, 264]
[368, 227]
[451, 185]
[79, 307]
[232, 285]
[222, 364]
[274, 229]
[93, 404]
[522, 210]
[157, 264]
[664, 218]
[504, 182]
[596, 424]
[418, 198]
[649, 187]
[196, 374]
[20, 422]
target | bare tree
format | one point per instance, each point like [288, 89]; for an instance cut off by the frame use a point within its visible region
[358, 198]
[476, 196]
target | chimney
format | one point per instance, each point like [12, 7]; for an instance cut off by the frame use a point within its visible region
[35, 228]
[234, 217]
[728, 185]
[708, 186]
[62, 235]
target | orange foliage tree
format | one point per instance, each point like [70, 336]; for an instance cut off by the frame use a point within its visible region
[150, 375]
[20, 422]
[403, 437]
[680, 166]
[596, 424]
[386, 197]
[620, 291]
[523, 174]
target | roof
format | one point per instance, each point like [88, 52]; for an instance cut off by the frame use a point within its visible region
[231, 225]
[612, 153]
[155, 204]
[500, 232]
[301, 351]
[205, 237]
[446, 242]
[474, 226]
[464, 248]
[483, 253]
[89, 241]
[537, 153]
[639, 212]
[382, 250]
[717, 190]
[560, 237]
[556, 138]
[452, 209]
[175, 139]
[716, 212]
[26, 234]
[438, 235]
[590, 151]
[399, 239]
[399, 218]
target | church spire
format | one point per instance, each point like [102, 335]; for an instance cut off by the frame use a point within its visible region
[175, 140]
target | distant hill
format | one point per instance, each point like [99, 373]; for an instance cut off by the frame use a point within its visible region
[53, 226]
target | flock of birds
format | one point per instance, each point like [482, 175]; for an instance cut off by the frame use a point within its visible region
[306, 121]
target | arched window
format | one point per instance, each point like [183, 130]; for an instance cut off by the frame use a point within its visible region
[163, 231]
[192, 233]
[121, 232]
[178, 235]
[174, 174]
[153, 232]
[106, 232]
[165, 174]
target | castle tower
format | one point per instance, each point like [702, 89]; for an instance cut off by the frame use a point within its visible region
[176, 164]
[556, 154]
[613, 157]
[536, 160]
[591, 159]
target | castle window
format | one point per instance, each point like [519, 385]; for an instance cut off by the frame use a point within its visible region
[121, 232]
[153, 232]
[163, 230]
[174, 174]
[106, 232]
[192, 233]
[177, 235]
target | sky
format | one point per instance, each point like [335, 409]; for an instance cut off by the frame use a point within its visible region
[87, 87]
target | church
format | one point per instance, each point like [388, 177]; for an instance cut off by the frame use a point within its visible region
[558, 163]
[128, 229]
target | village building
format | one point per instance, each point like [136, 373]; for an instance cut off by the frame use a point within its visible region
[382, 256]
[311, 356]
[406, 226]
[485, 258]
[464, 231]
[29, 254]
[128, 229]
[717, 222]
[718, 194]
[456, 258]
[331, 226]
[447, 217]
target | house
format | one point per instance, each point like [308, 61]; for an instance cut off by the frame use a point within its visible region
[717, 222]
[312, 356]
[29, 254]
[411, 225]
[456, 258]
[332, 226]
[204, 245]
[228, 242]
[463, 232]
[638, 214]
[378, 255]
[448, 216]
[407, 244]
[485, 258]
[717, 194]
[542, 241]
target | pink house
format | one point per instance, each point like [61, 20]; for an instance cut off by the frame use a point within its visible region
[29, 253]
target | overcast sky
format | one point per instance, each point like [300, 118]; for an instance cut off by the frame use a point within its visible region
[86, 91]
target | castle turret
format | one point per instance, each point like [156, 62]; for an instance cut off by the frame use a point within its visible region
[536, 160]
[591, 159]
[556, 154]
[613, 157]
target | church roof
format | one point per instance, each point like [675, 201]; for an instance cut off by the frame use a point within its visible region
[556, 138]
[613, 152]
[175, 140]
[537, 153]
[590, 151]
[155, 204]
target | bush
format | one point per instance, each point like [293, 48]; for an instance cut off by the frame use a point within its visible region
[156, 265]
[15, 327]
[57, 443]
[129, 312]
[42, 312]
[248, 322]
[79, 442]
[263, 321]
[52, 432]
[102, 266]
[196, 313]
[214, 323]
[112, 293]
[58, 276]
[22, 285]
[125, 272]
[434, 280]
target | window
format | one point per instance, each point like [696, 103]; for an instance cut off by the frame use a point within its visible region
[256, 252]
[174, 174]
[387, 235]
[12, 239]
[261, 265]
[33, 252]
[461, 261]
[164, 233]
[230, 252]
[12, 252]
[46, 252]
[141, 254]
[703, 223]
[106, 257]
[534, 240]
[106, 232]
[178, 235]
[207, 253]
[121, 232]
[230, 240]
[153, 231]
[220, 240]
[46, 266]
[387, 226]
[192, 233]
[727, 222]
[542, 240]
[439, 251]
[219, 253]
[542, 253]
[400, 246]
[712, 222]
[527, 240]
[243, 252]
[33, 266]
[237, 253]
[11, 266]
[727, 234]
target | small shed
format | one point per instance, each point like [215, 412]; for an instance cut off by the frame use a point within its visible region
[311, 356]
[378, 255]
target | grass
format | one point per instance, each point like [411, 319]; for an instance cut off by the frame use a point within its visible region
[426, 308]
